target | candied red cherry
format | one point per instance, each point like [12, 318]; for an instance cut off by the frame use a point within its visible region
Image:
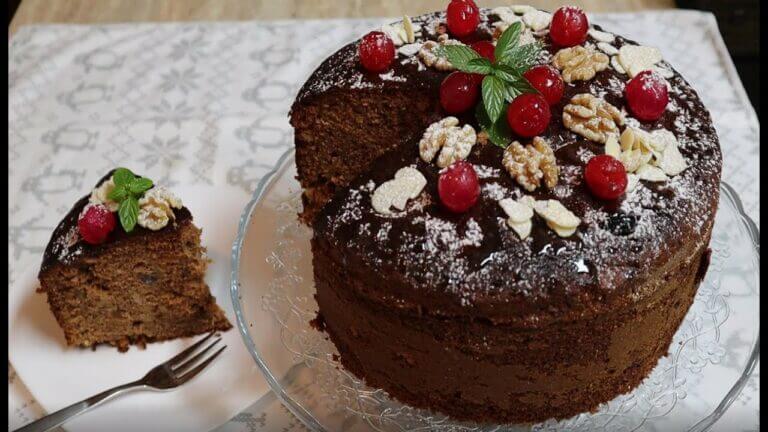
[606, 177]
[459, 92]
[462, 18]
[485, 48]
[528, 115]
[647, 95]
[547, 81]
[376, 51]
[95, 224]
[458, 187]
[569, 26]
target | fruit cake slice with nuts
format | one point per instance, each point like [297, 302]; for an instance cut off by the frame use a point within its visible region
[125, 266]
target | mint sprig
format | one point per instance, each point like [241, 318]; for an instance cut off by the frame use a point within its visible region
[503, 79]
[493, 96]
[498, 132]
[127, 192]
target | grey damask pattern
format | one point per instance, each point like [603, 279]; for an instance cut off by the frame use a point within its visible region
[207, 103]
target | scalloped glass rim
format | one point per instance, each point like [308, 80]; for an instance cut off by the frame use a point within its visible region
[728, 195]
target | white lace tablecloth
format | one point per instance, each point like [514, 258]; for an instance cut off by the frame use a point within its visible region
[207, 103]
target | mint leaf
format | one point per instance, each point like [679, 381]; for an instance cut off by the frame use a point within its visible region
[493, 96]
[479, 65]
[499, 132]
[458, 55]
[508, 40]
[509, 74]
[122, 176]
[129, 213]
[139, 185]
[516, 84]
[517, 90]
[118, 194]
[522, 57]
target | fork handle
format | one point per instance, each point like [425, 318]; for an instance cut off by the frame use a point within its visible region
[59, 417]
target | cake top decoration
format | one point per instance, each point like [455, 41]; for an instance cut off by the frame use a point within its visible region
[130, 199]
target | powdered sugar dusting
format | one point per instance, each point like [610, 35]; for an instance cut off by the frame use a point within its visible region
[476, 253]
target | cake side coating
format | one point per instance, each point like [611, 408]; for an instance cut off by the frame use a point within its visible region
[501, 373]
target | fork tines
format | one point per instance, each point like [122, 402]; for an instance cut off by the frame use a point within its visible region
[192, 360]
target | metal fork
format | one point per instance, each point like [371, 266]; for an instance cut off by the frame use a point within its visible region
[166, 376]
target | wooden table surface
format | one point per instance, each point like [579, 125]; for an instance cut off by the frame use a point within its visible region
[109, 11]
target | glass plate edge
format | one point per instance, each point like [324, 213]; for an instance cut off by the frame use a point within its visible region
[309, 420]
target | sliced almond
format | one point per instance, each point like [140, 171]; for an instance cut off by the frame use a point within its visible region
[632, 182]
[407, 184]
[408, 26]
[651, 173]
[601, 36]
[516, 211]
[672, 161]
[556, 214]
[562, 232]
[537, 20]
[522, 229]
[410, 49]
[632, 159]
[520, 215]
[528, 201]
[616, 65]
[607, 48]
[612, 147]
[522, 9]
[663, 71]
[637, 58]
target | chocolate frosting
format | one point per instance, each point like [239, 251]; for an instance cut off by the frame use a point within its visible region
[67, 247]
[473, 264]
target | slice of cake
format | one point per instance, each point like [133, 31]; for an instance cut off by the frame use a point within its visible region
[125, 266]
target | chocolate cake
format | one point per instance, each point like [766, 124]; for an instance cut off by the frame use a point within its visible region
[542, 298]
[112, 286]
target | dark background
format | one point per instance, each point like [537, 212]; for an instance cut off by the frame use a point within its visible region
[739, 22]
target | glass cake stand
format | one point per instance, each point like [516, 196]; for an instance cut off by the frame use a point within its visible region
[710, 360]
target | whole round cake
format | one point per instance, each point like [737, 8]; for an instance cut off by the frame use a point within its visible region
[511, 209]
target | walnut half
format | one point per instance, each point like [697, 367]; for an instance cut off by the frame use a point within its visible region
[532, 163]
[431, 59]
[592, 117]
[453, 142]
[580, 63]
